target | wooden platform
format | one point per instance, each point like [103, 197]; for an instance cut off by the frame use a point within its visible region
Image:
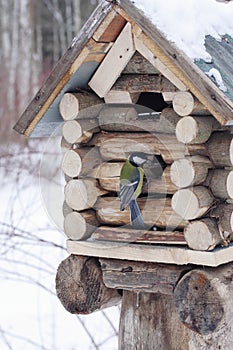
[160, 254]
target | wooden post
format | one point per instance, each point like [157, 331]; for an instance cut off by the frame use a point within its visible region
[149, 321]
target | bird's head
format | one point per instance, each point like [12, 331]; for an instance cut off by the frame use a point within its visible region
[137, 158]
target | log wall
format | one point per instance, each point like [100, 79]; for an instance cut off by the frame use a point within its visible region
[188, 173]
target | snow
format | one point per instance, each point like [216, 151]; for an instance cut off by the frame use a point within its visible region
[32, 247]
[187, 22]
[214, 73]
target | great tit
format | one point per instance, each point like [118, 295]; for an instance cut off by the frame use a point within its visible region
[131, 181]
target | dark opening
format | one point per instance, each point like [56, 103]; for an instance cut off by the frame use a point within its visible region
[153, 100]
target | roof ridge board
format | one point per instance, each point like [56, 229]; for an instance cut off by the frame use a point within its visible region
[62, 66]
[218, 103]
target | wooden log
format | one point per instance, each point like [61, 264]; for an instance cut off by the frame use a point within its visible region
[192, 203]
[131, 118]
[224, 215]
[220, 182]
[189, 171]
[80, 287]
[143, 83]
[168, 96]
[155, 212]
[125, 234]
[184, 103]
[82, 194]
[220, 149]
[139, 65]
[82, 161]
[203, 234]
[80, 226]
[66, 209]
[115, 96]
[149, 321]
[114, 146]
[195, 129]
[79, 131]
[72, 103]
[203, 301]
[109, 179]
[164, 69]
[141, 276]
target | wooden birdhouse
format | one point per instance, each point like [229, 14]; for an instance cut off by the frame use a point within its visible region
[123, 87]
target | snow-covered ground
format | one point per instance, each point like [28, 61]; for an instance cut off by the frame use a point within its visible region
[32, 246]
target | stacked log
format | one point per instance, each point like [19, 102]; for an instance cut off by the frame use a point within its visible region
[188, 172]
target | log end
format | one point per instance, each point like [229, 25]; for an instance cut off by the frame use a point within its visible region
[80, 287]
[198, 303]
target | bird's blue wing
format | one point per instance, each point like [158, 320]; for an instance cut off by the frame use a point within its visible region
[127, 189]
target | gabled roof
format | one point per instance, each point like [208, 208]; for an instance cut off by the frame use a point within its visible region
[78, 65]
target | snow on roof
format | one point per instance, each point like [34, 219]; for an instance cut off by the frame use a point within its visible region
[187, 22]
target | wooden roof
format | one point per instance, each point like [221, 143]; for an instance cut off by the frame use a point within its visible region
[81, 64]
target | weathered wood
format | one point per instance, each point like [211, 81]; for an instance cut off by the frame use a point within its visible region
[220, 182]
[66, 209]
[155, 212]
[192, 203]
[220, 149]
[202, 234]
[168, 97]
[109, 179]
[184, 103]
[80, 287]
[140, 276]
[125, 234]
[81, 225]
[157, 63]
[189, 171]
[109, 28]
[82, 194]
[114, 62]
[74, 131]
[143, 83]
[149, 321]
[114, 146]
[156, 253]
[114, 96]
[224, 215]
[127, 118]
[195, 129]
[203, 301]
[72, 103]
[82, 161]
[139, 65]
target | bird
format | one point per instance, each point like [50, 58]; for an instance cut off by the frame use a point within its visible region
[131, 181]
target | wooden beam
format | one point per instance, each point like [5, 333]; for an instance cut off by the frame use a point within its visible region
[110, 28]
[114, 62]
[125, 234]
[140, 276]
[159, 254]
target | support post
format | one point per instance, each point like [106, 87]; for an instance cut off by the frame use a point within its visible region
[150, 321]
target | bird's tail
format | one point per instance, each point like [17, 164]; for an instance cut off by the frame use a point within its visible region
[135, 215]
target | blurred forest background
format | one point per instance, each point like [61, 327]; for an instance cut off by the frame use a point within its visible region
[33, 36]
